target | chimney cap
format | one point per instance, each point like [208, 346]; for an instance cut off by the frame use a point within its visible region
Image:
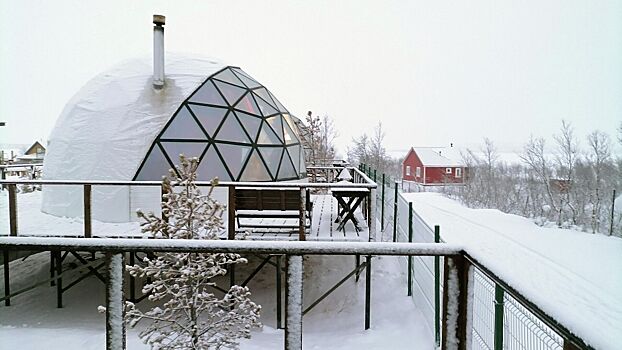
[159, 20]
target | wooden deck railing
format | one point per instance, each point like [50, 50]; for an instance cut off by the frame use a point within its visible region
[360, 180]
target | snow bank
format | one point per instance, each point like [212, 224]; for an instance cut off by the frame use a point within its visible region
[572, 276]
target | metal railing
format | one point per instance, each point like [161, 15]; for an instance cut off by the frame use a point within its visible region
[502, 318]
[458, 266]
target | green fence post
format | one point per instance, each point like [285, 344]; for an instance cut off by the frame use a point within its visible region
[437, 290]
[410, 239]
[499, 294]
[382, 207]
[395, 213]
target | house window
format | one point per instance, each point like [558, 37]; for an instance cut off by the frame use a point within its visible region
[447, 170]
[418, 172]
[408, 170]
[458, 172]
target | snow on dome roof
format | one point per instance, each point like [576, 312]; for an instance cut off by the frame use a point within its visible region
[118, 127]
[105, 130]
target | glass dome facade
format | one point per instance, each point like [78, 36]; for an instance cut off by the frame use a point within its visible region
[237, 129]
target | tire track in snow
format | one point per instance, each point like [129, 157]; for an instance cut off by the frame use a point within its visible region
[571, 276]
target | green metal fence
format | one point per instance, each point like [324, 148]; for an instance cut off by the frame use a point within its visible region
[499, 321]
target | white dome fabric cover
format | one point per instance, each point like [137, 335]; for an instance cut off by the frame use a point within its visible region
[107, 128]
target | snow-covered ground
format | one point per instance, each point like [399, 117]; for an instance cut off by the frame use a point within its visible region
[34, 322]
[575, 277]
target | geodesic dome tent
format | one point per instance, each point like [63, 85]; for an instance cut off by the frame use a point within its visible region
[118, 127]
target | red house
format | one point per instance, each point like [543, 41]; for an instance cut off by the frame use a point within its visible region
[430, 166]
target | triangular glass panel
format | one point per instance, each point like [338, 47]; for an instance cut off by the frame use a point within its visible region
[267, 136]
[266, 109]
[209, 117]
[188, 149]
[290, 136]
[155, 166]
[231, 92]
[272, 157]
[302, 167]
[246, 79]
[278, 103]
[235, 156]
[247, 104]
[294, 153]
[211, 166]
[231, 130]
[208, 94]
[263, 93]
[229, 77]
[287, 171]
[277, 125]
[251, 123]
[183, 126]
[289, 120]
[255, 169]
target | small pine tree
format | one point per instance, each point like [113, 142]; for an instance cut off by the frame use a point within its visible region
[192, 317]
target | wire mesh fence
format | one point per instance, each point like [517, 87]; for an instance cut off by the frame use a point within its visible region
[498, 320]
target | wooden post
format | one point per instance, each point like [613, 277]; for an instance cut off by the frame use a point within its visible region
[115, 308]
[302, 216]
[231, 214]
[293, 327]
[87, 210]
[12, 210]
[7, 287]
[59, 279]
[279, 300]
[455, 303]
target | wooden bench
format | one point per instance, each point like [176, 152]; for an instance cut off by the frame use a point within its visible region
[268, 203]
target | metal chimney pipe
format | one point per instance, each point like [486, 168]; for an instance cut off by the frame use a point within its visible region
[158, 51]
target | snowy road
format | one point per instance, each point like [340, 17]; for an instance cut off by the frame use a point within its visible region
[573, 276]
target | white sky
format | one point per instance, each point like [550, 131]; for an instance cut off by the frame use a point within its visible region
[433, 72]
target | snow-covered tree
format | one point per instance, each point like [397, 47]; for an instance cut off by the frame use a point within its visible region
[322, 134]
[191, 316]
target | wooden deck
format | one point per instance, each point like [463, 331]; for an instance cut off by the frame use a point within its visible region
[323, 227]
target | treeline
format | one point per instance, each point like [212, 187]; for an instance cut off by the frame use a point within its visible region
[570, 184]
[370, 150]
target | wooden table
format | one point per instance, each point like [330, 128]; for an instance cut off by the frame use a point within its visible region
[349, 200]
